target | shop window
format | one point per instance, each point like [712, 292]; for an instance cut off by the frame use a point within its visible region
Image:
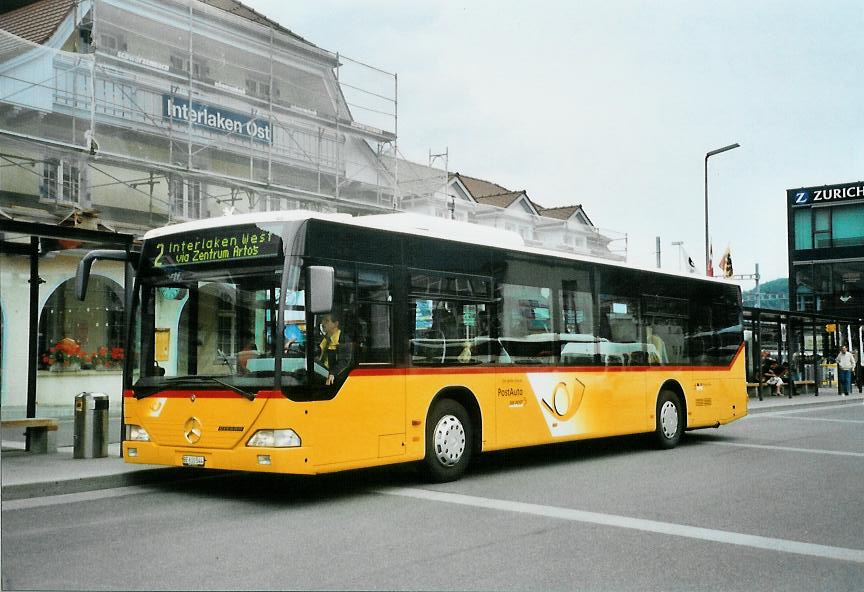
[77, 335]
[185, 198]
[61, 181]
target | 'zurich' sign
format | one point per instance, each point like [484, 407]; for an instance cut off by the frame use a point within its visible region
[830, 193]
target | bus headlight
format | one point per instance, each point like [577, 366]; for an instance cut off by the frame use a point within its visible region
[136, 433]
[275, 439]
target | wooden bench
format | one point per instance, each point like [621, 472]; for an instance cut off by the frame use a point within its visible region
[805, 386]
[41, 432]
[801, 386]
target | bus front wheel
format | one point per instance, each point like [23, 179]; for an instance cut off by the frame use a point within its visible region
[670, 419]
[448, 442]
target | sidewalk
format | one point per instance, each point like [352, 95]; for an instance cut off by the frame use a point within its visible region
[25, 475]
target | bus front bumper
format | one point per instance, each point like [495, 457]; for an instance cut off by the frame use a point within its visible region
[271, 460]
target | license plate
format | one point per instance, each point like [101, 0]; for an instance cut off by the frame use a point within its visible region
[193, 461]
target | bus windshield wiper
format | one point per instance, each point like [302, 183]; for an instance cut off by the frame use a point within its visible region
[236, 389]
[148, 392]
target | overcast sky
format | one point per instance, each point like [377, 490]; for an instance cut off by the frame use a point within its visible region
[614, 103]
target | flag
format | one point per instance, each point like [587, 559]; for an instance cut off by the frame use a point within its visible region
[691, 267]
[710, 271]
[726, 263]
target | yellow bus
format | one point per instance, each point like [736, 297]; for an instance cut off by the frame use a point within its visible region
[306, 343]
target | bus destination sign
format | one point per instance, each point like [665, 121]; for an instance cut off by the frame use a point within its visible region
[222, 245]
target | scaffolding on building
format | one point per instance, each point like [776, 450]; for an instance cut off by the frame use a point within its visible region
[195, 111]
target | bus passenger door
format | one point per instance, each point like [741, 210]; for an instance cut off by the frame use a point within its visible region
[623, 354]
[365, 419]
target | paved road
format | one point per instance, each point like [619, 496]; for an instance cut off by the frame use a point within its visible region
[774, 502]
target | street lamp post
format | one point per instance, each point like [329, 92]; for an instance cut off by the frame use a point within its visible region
[707, 156]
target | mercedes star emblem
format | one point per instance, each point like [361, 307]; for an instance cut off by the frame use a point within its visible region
[192, 430]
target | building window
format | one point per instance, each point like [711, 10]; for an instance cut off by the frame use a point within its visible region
[81, 335]
[180, 65]
[111, 43]
[256, 87]
[270, 203]
[803, 229]
[821, 228]
[847, 225]
[61, 181]
[185, 198]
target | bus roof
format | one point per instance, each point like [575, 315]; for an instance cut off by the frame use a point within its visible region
[413, 224]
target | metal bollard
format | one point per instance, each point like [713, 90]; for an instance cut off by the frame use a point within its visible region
[90, 437]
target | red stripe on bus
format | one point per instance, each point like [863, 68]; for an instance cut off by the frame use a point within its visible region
[185, 394]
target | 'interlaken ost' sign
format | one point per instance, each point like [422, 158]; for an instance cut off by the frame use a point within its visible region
[830, 193]
[216, 119]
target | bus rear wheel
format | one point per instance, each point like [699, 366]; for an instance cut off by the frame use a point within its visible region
[448, 442]
[670, 419]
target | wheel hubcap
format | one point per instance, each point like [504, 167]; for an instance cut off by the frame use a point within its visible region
[669, 419]
[449, 440]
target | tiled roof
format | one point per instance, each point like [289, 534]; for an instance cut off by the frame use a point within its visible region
[502, 200]
[480, 188]
[37, 21]
[565, 213]
[241, 10]
[561, 213]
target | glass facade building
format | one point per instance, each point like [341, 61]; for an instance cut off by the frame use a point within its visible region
[826, 249]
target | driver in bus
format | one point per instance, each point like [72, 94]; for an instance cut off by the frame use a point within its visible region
[335, 348]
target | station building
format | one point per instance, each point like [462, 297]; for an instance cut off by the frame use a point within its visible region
[826, 287]
[118, 116]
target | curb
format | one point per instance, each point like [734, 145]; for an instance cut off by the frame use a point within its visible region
[828, 401]
[81, 484]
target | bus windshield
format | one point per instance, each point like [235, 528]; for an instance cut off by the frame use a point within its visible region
[208, 306]
[221, 325]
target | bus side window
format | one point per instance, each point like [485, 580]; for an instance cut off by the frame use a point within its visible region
[526, 325]
[576, 325]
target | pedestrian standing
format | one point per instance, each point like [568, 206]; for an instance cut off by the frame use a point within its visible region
[845, 365]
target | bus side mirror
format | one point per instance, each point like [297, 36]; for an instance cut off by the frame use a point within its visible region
[82, 275]
[321, 280]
